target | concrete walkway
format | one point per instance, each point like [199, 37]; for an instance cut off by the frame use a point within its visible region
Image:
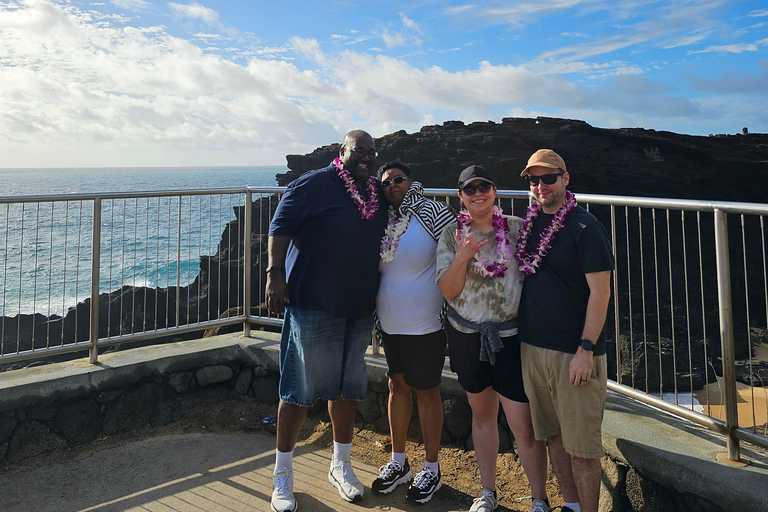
[194, 473]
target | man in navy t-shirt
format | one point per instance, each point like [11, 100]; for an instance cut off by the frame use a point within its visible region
[323, 273]
[566, 254]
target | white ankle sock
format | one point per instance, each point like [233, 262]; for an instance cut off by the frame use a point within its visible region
[573, 506]
[398, 457]
[283, 460]
[341, 451]
[432, 466]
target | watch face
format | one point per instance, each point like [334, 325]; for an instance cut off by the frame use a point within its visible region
[587, 345]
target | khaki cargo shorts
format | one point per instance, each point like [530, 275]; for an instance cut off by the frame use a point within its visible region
[560, 408]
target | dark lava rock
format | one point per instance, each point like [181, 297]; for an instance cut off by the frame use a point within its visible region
[31, 439]
[79, 422]
[265, 390]
[133, 409]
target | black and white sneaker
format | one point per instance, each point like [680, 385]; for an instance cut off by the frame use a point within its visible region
[391, 475]
[426, 484]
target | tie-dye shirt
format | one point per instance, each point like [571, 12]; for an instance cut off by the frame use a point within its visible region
[483, 299]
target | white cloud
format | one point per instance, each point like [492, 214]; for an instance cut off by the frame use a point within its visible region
[195, 11]
[309, 48]
[727, 48]
[758, 13]
[393, 40]
[132, 5]
[409, 23]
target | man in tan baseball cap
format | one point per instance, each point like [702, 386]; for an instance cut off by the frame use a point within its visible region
[545, 158]
[567, 259]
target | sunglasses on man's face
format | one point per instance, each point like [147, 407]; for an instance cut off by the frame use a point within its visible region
[396, 180]
[548, 179]
[471, 189]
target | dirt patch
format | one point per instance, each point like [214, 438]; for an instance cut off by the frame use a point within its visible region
[238, 414]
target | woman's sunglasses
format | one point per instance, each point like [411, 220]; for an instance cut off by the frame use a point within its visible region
[548, 179]
[396, 180]
[471, 189]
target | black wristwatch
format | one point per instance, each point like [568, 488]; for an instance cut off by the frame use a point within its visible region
[587, 345]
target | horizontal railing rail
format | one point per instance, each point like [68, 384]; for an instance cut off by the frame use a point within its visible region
[687, 326]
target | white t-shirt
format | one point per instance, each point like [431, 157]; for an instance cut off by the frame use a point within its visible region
[409, 301]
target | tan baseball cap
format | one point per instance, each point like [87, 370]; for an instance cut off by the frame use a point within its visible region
[545, 158]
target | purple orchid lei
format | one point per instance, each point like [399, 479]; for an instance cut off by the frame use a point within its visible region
[367, 210]
[503, 251]
[530, 262]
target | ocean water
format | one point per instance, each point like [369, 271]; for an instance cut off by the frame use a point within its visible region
[155, 241]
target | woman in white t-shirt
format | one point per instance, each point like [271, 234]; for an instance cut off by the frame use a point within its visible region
[408, 309]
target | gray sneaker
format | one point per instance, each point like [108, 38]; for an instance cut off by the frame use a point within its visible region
[342, 476]
[486, 502]
[541, 506]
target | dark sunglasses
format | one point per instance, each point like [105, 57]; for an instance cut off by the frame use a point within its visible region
[396, 180]
[471, 189]
[360, 152]
[548, 179]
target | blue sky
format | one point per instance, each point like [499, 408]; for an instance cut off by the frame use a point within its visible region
[139, 83]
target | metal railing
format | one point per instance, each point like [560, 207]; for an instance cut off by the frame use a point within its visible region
[689, 307]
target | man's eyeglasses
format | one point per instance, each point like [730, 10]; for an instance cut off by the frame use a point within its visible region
[360, 152]
[471, 189]
[548, 179]
[396, 180]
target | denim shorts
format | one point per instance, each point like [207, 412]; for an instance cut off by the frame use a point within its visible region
[323, 357]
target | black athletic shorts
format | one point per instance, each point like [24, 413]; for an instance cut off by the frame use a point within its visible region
[420, 358]
[505, 377]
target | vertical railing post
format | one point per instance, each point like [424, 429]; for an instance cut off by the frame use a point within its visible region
[178, 270]
[726, 332]
[95, 267]
[616, 294]
[248, 222]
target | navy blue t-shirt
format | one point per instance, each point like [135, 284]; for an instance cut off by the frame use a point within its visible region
[332, 263]
[554, 302]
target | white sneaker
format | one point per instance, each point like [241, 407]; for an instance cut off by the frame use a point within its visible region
[486, 502]
[283, 499]
[343, 478]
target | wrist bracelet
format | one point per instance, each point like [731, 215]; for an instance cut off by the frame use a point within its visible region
[270, 269]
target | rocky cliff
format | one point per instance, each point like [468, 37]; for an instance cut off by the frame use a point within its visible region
[625, 161]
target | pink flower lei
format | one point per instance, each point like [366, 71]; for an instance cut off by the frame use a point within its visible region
[367, 210]
[530, 262]
[503, 251]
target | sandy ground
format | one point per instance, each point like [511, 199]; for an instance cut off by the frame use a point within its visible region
[748, 397]
[239, 414]
[752, 401]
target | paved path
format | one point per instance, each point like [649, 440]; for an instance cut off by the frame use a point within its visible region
[192, 473]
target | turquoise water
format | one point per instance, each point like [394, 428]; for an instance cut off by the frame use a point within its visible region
[45, 247]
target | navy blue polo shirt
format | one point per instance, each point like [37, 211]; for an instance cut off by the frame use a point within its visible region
[332, 263]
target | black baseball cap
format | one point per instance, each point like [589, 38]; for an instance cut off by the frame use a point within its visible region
[474, 172]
